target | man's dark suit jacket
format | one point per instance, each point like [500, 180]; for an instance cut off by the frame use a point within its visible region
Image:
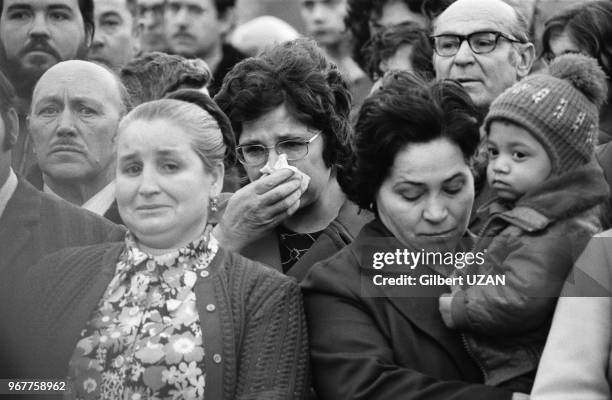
[33, 225]
[35, 178]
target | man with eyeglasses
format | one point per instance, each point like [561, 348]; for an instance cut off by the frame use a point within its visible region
[483, 44]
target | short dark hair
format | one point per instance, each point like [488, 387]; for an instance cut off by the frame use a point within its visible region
[360, 12]
[588, 25]
[298, 75]
[132, 6]
[153, 75]
[385, 43]
[207, 104]
[223, 5]
[8, 100]
[406, 110]
[87, 12]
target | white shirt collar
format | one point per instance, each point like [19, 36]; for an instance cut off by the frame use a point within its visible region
[7, 190]
[98, 203]
[101, 201]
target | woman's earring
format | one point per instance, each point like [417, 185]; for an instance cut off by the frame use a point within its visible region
[214, 204]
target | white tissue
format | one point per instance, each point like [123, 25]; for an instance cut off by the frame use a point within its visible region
[281, 162]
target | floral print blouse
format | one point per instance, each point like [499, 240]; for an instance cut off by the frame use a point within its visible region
[144, 341]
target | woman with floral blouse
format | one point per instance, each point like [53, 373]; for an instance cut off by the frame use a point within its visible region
[166, 314]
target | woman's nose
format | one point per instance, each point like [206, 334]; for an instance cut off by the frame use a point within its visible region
[148, 182]
[436, 210]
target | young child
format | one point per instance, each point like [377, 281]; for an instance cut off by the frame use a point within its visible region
[540, 137]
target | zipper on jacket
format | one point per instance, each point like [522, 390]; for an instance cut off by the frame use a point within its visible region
[463, 336]
[482, 231]
[473, 357]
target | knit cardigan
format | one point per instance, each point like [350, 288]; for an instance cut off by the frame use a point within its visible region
[254, 325]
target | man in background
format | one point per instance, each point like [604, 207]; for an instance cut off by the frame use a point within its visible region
[324, 20]
[151, 19]
[117, 36]
[197, 29]
[32, 225]
[76, 108]
[34, 36]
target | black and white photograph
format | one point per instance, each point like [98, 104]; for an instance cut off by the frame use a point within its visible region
[306, 199]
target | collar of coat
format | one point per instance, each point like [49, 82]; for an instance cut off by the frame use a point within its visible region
[557, 198]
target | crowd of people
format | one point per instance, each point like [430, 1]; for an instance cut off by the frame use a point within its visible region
[192, 208]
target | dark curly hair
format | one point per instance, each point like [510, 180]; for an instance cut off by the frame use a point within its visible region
[406, 110]
[298, 75]
[153, 75]
[360, 13]
[385, 43]
[589, 25]
[223, 5]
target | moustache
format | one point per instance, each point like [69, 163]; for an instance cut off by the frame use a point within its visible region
[183, 33]
[39, 45]
[63, 144]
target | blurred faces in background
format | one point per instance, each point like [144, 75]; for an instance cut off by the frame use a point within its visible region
[404, 46]
[151, 18]
[195, 28]
[116, 40]
[394, 12]
[324, 20]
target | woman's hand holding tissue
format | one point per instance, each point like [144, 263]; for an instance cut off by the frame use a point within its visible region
[259, 207]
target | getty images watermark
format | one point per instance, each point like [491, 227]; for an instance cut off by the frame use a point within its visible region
[408, 260]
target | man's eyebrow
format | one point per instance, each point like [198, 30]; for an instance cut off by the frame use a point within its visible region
[46, 99]
[60, 7]
[87, 100]
[19, 6]
[110, 13]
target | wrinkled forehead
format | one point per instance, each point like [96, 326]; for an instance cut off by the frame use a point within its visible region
[81, 81]
[465, 17]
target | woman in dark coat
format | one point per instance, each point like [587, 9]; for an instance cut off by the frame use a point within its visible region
[372, 309]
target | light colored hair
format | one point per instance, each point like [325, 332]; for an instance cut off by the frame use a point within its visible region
[520, 27]
[200, 126]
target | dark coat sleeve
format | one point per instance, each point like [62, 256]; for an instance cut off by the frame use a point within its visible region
[273, 348]
[535, 268]
[352, 355]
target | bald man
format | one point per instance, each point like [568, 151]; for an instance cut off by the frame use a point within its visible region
[76, 108]
[484, 44]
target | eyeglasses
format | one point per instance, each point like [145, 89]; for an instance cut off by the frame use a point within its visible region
[257, 154]
[447, 45]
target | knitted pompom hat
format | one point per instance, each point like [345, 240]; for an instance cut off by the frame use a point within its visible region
[559, 108]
